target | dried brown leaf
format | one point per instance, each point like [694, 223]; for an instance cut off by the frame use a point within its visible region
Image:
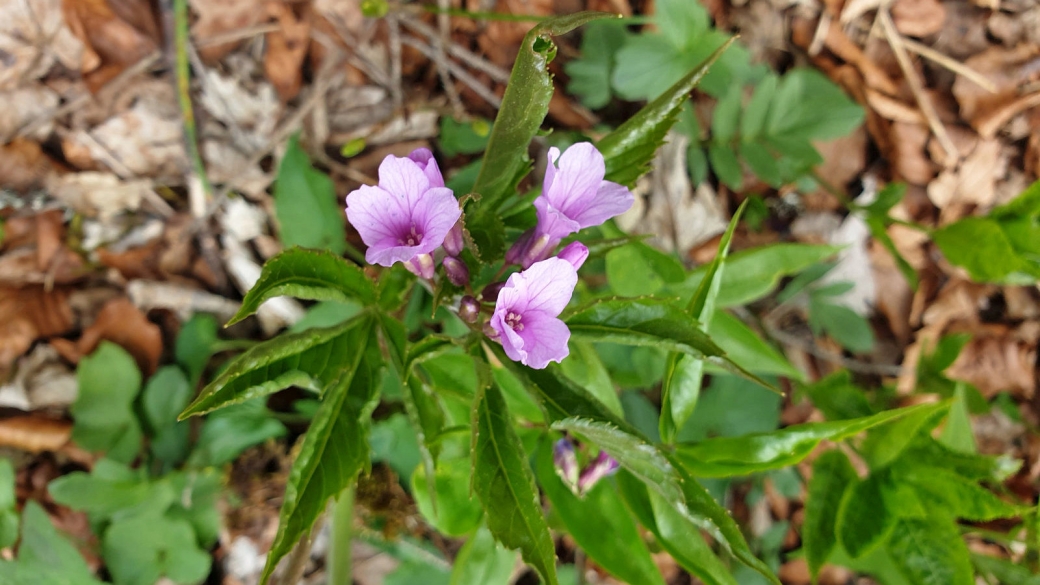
[996, 361]
[918, 18]
[30, 313]
[110, 43]
[34, 433]
[124, 324]
[286, 49]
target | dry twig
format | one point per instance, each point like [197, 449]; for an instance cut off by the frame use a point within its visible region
[897, 42]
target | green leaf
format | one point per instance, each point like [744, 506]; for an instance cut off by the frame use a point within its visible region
[315, 275]
[629, 149]
[653, 323]
[482, 561]
[559, 396]
[227, 433]
[736, 456]
[640, 458]
[756, 112]
[884, 445]
[305, 204]
[726, 117]
[752, 274]
[599, 524]
[44, 556]
[730, 407]
[457, 137]
[864, 517]
[586, 369]
[674, 532]
[744, 346]
[844, 325]
[8, 515]
[141, 549]
[456, 513]
[638, 269]
[334, 449]
[1004, 570]
[979, 245]
[809, 106]
[726, 165]
[505, 486]
[684, 374]
[838, 398]
[955, 495]
[105, 496]
[590, 74]
[880, 233]
[104, 419]
[194, 345]
[163, 398]
[524, 106]
[831, 475]
[311, 359]
[957, 434]
[930, 551]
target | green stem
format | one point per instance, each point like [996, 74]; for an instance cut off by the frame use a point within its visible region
[337, 563]
[183, 72]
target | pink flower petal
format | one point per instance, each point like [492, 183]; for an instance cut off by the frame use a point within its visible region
[424, 158]
[550, 284]
[434, 215]
[611, 200]
[552, 221]
[545, 339]
[580, 173]
[404, 178]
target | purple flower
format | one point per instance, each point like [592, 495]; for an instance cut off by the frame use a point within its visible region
[604, 465]
[565, 462]
[456, 271]
[527, 310]
[408, 214]
[575, 196]
[575, 253]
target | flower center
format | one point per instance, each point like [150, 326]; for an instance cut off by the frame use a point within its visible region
[412, 238]
[514, 321]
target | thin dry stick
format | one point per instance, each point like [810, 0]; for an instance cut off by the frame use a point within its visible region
[396, 92]
[462, 75]
[355, 58]
[951, 64]
[236, 35]
[441, 60]
[896, 41]
[458, 51]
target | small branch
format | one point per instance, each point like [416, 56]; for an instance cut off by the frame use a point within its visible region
[951, 64]
[439, 41]
[459, 52]
[236, 35]
[299, 556]
[396, 91]
[898, 44]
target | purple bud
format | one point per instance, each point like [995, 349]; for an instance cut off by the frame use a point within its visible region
[565, 461]
[491, 332]
[453, 242]
[456, 271]
[469, 309]
[421, 265]
[575, 253]
[603, 466]
[519, 248]
[541, 247]
[490, 292]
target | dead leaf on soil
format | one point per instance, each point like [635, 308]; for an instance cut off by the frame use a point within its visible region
[1009, 70]
[110, 43]
[41, 380]
[217, 17]
[918, 18]
[997, 360]
[500, 40]
[909, 161]
[124, 324]
[30, 313]
[972, 185]
[286, 49]
[34, 433]
[23, 165]
[102, 195]
[33, 36]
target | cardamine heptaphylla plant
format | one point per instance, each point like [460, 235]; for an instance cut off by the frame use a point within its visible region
[516, 408]
[410, 217]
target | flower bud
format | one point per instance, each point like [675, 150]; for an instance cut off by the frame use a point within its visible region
[519, 248]
[421, 265]
[575, 253]
[490, 331]
[469, 309]
[456, 271]
[453, 242]
[565, 462]
[490, 292]
[604, 465]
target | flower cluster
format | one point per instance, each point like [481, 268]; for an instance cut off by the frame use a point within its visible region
[580, 481]
[410, 214]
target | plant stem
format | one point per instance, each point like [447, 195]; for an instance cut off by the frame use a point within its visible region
[337, 563]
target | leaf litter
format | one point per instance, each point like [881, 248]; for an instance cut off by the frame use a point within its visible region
[115, 246]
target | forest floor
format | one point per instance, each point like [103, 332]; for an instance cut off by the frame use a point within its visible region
[110, 232]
